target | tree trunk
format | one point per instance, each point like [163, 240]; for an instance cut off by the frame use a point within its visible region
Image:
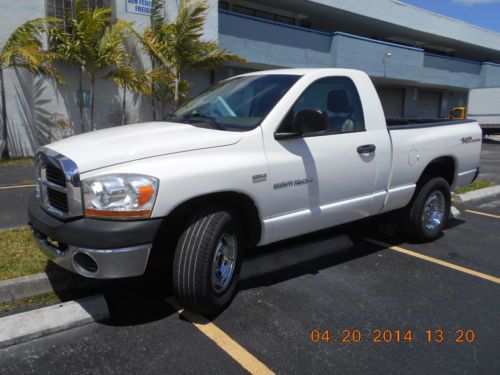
[176, 89]
[5, 152]
[153, 103]
[80, 99]
[153, 100]
[92, 81]
[124, 112]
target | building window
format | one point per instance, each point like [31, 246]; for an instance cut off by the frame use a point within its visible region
[287, 20]
[66, 8]
[304, 23]
[264, 15]
[243, 10]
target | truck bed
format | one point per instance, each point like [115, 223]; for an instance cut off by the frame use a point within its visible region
[416, 143]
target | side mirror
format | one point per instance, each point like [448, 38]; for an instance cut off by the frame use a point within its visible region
[307, 121]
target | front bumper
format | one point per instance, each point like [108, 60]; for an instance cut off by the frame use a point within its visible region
[94, 248]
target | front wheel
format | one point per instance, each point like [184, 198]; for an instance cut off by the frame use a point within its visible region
[207, 261]
[428, 212]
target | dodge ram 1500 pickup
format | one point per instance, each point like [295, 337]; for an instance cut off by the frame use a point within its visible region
[255, 159]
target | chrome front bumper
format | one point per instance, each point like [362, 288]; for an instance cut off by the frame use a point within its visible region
[96, 263]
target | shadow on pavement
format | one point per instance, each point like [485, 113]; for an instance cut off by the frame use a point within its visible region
[140, 300]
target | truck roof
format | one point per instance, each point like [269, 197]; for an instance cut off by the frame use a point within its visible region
[304, 71]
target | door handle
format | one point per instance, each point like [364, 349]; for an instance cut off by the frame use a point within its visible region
[366, 149]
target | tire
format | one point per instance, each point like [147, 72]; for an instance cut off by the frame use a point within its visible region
[421, 225]
[195, 284]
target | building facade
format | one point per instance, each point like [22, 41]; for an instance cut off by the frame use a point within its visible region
[422, 63]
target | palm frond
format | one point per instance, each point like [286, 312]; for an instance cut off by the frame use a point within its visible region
[138, 82]
[178, 47]
[157, 17]
[25, 48]
[25, 43]
[78, 42]
[212, 56]
[110, 47]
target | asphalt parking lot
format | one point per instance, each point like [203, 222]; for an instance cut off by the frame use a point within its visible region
[376, 303]
[490, 159]
[16, 185]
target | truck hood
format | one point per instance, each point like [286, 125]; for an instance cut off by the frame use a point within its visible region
[127, 143]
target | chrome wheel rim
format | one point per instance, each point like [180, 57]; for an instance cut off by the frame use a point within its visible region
[434, 210]
[224, 262]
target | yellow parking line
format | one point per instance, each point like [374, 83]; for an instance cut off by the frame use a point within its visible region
[437, 261]
[15, 186]
[483, 214]
[226, 343]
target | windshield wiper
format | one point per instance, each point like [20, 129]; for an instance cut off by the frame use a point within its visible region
[205, 118]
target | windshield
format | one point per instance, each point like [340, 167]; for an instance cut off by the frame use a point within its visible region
[236, 104]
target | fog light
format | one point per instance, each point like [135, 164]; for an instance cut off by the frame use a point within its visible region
[85, 264]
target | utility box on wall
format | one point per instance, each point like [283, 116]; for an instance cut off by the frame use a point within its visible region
[83, 98]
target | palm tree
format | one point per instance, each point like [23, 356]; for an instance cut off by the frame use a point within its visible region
[178, 48]
[126, 76]
[80, 42]
[25, 49]
[157, 20]
[155, 45]
[187, 50]
[112, 54]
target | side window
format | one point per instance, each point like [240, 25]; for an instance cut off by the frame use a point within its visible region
[338, 97]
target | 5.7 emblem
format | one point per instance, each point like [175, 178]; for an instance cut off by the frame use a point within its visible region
[466, 140]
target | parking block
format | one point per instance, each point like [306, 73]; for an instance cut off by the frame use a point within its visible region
[33, 324]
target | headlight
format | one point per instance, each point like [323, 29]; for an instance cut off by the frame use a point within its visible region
[121, 196]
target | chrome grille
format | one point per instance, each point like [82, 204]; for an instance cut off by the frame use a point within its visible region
[58, 183]
[58, 200]
[55, 175]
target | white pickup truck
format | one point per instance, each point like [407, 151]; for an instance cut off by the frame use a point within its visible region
[256, 159]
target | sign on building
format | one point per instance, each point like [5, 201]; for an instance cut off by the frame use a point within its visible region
[139, 6]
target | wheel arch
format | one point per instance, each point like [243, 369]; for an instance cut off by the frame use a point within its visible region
[239, 202]
[443, 166]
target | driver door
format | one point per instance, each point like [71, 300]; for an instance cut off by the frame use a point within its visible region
[322, 180]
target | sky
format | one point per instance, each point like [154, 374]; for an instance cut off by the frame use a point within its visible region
[484, 13]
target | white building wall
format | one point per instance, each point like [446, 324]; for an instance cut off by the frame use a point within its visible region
[19, 86]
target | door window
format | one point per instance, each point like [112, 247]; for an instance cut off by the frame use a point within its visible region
[336, 96]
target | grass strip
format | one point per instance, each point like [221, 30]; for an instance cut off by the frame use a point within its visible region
[16, 161]
[476, 185]
[19, 254]
[49, 298]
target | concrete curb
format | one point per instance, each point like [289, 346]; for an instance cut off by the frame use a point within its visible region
[61, 281]
[33, 285]
[18, 328]
[280, 259]
[24, 287]
[13, 228]
[479, 194]
[454, 212]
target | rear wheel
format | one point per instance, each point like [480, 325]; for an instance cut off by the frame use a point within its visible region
[207, 261]
[428, 212]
